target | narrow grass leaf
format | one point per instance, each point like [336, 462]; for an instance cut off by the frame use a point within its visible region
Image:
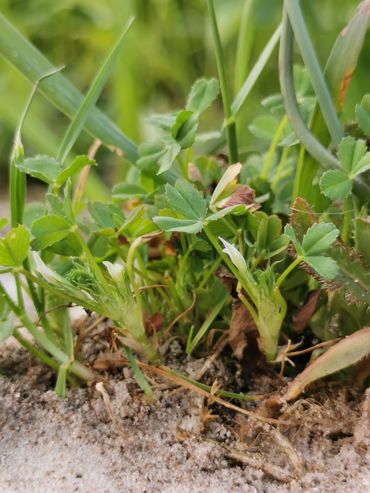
[139, 376]
[347, 352]
[255, 72]
[6, 329]
[78, 122]
[17, 50]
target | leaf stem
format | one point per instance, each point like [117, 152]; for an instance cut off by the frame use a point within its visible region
[288, 270]
[347, 215]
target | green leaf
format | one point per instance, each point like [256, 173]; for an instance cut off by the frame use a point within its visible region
[345, 353]
[185, 199]
[45, 168]
[191, 226]
[363, 119]
[185, 128]
[6, 330]
[319, 239]
[362, 236]
[361, 166]
[324, 266]
[290, 233]
[335, 184]
[75, 167]
[137, 224]
[264, 127]
[14, 247]
[17, 50]
[160, 153]
[126, 191]
[49, 230]
[78, 122]
[202, 95]
[170, 151]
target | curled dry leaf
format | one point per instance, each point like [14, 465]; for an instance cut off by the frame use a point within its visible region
[243, 194]
[241, 323]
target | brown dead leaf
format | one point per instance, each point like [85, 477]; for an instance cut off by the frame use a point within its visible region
[241, 323]
[153, 323]
[304, 314]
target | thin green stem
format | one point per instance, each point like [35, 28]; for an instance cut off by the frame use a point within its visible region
[229, 118]
[280, 168]
[287, 271]
[347, 216]
[275, 141]
[245, 43]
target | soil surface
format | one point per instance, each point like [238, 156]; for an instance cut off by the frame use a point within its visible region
[110, 439]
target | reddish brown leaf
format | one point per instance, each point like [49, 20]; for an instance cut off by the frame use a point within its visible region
[304, 314]
[242, 195]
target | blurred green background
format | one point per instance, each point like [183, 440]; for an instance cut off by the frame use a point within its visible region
[168, 48]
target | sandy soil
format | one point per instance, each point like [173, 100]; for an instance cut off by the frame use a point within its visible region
[79, 444]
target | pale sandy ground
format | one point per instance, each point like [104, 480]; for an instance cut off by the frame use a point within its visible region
[48, 445]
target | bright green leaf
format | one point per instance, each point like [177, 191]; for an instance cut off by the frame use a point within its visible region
[185, 128]
[324, 266]
[6, 330]
[191, 226]
[14, 247]
[363, 119]
[49, 230]
[45, 168]
[75, 167]
[319, 239]
[335, 184]
[126, 191]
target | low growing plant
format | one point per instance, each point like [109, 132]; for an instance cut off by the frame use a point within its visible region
[293, 237]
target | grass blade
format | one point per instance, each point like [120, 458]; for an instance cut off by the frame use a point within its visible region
[316, 75]
[18, 51]
[245, 43]
[89, 101]
[347, 352]
[229, 119]
[255, 72]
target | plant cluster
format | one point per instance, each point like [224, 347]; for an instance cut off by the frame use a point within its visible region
[192, 237]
